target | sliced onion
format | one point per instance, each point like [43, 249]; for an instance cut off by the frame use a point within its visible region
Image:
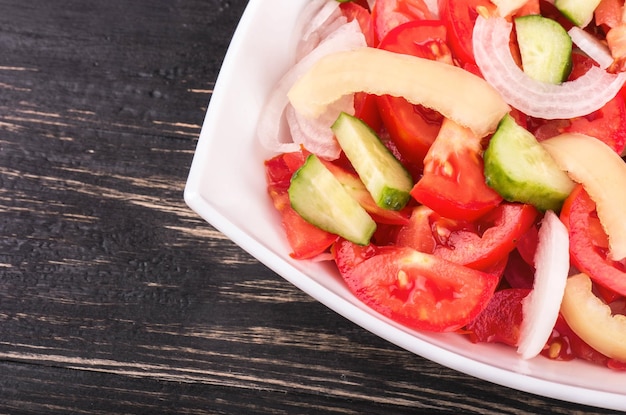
[541, 306]
[318, 19]
[271, 127]
[592, 46]
[316, 135]
[538, 99]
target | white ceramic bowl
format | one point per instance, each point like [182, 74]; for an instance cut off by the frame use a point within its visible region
[226, 186]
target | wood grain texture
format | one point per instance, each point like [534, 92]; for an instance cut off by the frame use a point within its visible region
[115, 298]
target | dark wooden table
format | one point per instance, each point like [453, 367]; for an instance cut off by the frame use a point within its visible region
[115, 298]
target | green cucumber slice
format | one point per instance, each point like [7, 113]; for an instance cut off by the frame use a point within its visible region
[383, 175]
[521, 170]
[545, 48]
[579, 12]
[317, 196]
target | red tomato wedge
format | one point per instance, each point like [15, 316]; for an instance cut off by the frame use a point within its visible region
[420, 290]
[453, 183]
[608, 13]
[413, 128]
[388, 14]
[481, 244]
[306, 241]
[460, 17]
[500, 321]
[589, 243]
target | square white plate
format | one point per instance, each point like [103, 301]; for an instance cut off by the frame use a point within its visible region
[226, 186]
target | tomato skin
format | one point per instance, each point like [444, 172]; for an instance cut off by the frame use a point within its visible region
[589, 242]
[413, 128]
[482, 244]
[608, 13]
[490, 239]
[518, 273]
[415, 37]
[417, 234]
[460, 17]
[420, 290]
[453, 183]
[527, 245]
[348, 255]
[501, 320]
[366, 109]
[306, 240]
[279, 169]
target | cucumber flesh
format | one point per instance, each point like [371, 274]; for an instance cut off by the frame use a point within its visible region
[579, 12]
[383, 175]
[317, 196]
[545, 48]
[521, 170]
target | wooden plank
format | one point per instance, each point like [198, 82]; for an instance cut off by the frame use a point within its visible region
[114, 296]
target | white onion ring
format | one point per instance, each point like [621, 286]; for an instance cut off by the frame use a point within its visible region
[538, 99]
[541, 306]
[592, 46]
[270, 129]
[318, 19]
[316, 135]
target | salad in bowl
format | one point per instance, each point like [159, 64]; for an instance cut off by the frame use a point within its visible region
[440, 174]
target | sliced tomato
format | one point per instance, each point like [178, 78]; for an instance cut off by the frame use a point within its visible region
[366, 109]
[359, 11]
[501, 320]
[518, 273]
[413, 128]
[348, 255]
[280, 168]
[419, 290]
[527, 245]
[306, 240]
[460, 17]
[415, 38]
[608, 13]
[482, 243]
[453, 183]
[589, 243]
[417, 234]
[388, 14]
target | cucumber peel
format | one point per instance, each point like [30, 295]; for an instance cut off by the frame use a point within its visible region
[320, 199]
[383, 175]
[579, 12]
[521, 170]
[545, 48]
